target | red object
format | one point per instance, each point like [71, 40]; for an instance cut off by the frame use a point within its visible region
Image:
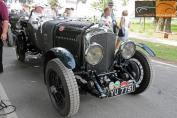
[166, 35]
[124, 83]
[3, 14]
[61, 28]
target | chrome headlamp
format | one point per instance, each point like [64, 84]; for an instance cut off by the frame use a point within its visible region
[94, 54]
[128, 50]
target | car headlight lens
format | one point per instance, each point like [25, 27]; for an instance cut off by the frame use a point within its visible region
[128, 50]
[94, 54]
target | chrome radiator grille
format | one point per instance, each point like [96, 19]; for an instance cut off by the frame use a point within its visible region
[107, 41]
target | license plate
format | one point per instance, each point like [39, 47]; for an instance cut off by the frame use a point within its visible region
[123, 90]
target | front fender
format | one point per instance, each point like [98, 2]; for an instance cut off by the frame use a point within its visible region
[64, 55]
[146, 49]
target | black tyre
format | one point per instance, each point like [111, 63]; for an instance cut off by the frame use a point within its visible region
[62, 88]
[143, 73]
[20, 48]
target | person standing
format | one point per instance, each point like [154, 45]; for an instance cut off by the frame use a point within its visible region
[4, 20]
[106, 19]
[123, 29]
[124, 25]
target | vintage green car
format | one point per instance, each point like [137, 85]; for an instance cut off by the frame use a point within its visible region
[80, 57]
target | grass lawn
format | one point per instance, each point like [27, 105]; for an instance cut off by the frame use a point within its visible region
[162, 51]
[174, 27]
[150, 29]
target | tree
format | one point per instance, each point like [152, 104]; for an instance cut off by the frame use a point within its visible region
[164, 24]
[100, 4]
[53, 5]
[125, 2]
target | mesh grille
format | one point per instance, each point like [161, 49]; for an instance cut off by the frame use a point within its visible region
[68, 39]
[107, 40]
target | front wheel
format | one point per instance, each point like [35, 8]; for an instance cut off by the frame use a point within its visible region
[62, 88]
[141, 68]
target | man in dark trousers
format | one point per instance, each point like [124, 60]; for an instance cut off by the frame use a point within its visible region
[4, 20]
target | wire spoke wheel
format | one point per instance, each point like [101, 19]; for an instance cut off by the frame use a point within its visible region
[57, 89]
[136, 70]
[142, 70]
[62, 87]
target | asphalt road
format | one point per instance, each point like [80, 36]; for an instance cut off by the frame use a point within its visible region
[24, 86]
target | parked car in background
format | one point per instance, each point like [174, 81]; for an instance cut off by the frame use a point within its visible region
[14, 17]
